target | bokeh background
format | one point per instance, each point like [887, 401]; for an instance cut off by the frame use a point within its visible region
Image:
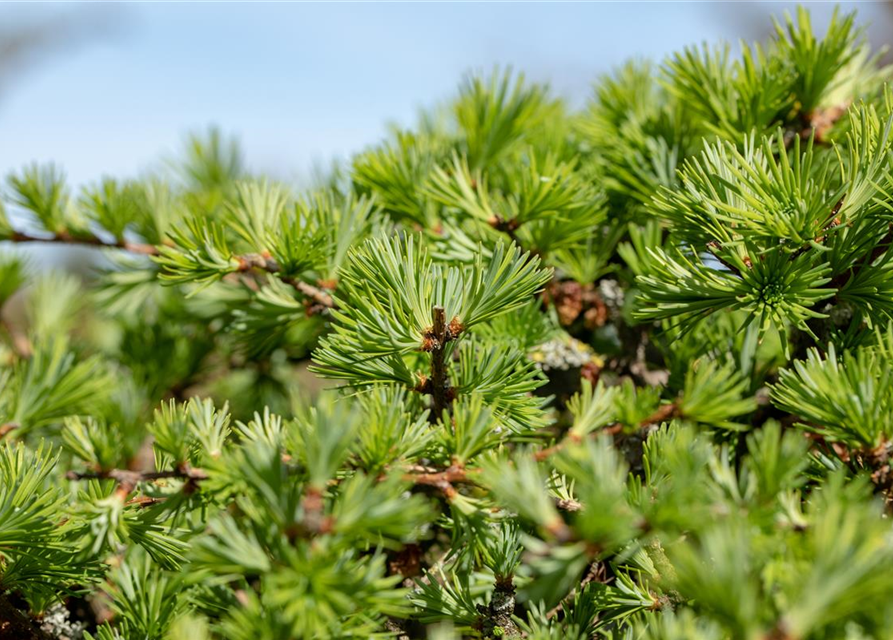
[112, 89]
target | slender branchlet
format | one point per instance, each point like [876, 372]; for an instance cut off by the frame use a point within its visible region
[87, 240]
[439, 379]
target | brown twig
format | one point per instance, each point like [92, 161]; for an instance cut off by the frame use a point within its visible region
[780, 631]
[434, 342]
[662, 414]
[319, 296]
[508, 227]
[265, 262]
[822, 121]
[248, 261]
[714, 248]
[442, 480]
[127, 480]
[834, 221]
[7, 428]
[64, 237]
[567, 504]
[314, 521]
[438, 365]
[544, 454]
[144, 502]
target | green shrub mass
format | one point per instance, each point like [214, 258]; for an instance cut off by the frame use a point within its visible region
[517, 371]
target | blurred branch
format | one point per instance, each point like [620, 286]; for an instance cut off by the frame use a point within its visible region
[88, 240]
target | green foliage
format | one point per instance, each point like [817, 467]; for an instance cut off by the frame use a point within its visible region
[12, 276]
[393, 171]
[201, 254]
[550, 207]
[387, 293]
[41, 192]
[621, 373]
[112, 206]
[39, 545]
[496, 115]
[817, 64]
[50, 386]
[842, 398]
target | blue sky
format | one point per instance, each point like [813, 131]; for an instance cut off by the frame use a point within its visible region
[305, 83]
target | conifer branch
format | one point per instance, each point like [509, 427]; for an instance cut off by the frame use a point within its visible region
[710, 153]
[87, 240]
[442, 480]
[321, 299]
[127, 479]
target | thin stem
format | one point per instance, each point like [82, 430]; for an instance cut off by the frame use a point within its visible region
[125, 474]
[438, 364]
[714, 248]
[319, 296]
[498, 614]
[8, 427]
[321, 299]
[87, 240]
[568, 504]
[442, 480]
[127, 480]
